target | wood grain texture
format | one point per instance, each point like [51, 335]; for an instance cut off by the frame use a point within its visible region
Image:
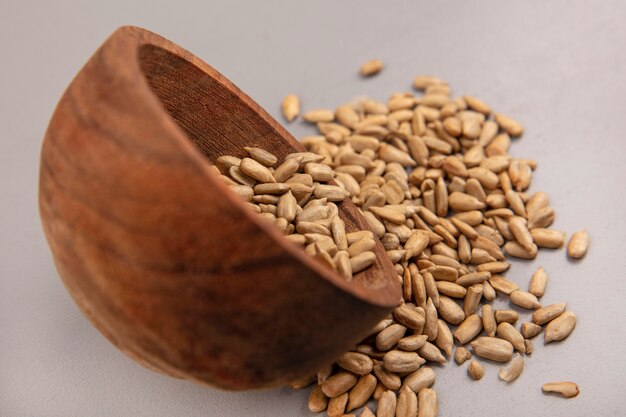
[164, 260]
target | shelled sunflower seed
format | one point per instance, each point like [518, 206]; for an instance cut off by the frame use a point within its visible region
[433, 177]
[297, 198]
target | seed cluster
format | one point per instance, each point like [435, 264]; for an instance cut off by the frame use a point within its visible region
[296, 197]
[432, 176]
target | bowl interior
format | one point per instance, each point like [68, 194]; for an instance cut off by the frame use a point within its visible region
[219, 122]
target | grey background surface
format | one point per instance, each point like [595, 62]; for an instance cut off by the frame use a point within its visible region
[559, 67]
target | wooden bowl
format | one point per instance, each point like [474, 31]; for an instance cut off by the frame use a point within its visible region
[162, 257]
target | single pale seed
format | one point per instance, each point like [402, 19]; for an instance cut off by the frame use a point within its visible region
[541, 218]
[337, 405]
[356, 362]
[509, 333]
[513, 371]
[492, 348]
[318, 401]
[224, 163]
[420, 379]
[488, 245]
[362, 261]
[475, 370]
[525, 300]
[547, 238]
[450, 311]
[360, 246]
[286, 206]
[548, 313]
[468, 329]
[389, 337]
[386, 404]
[338, 384]
[390, 153]
[506, 316]
[361, 392]
[319, 115]
[518, 251]
[538, 282]
[509, 125]
[412, 343]
[255, 170]
[406, 405]
[361, 234]
[319, 172]
[444, 338]
[517, 226]
[423, 81]
[331, 192]
[499, 283]
[408, 317]
[530, 330]
[472, 299]
[565, 389]
[389, 379]
[431, 317]
[271, 188]
[529, 347]
[262, 156]
[489, 293]
[238, 175]
[560, 327]
[493, 267]
[473, 278]
[489, 320]
[477, 105]
[401, 361]
[290, 107]
[537, 201]
[245, 192]
[451, 289]
[464, 202]
[427, 403]
[578, 244]
[461, 355]
[371, 67]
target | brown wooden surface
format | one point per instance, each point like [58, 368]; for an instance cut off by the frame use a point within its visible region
[158, 253]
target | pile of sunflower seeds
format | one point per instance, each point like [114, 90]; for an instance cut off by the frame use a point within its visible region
[295, 196]
[432, 176]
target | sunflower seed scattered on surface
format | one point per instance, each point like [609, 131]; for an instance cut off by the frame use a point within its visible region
[538, 282]
[371, 67]
[475, 370]
[525, 300]
[361, 392]
[548, 313]
[387, 404]
[560, 327]
[318, 401]
[406, 405]
[492, 348]
[461, 355]
[509, 333]
[578, 244]
[337, 405]
[427, 403]
[434, 180]
[530, 330]
[565, 389]
[513, 371]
